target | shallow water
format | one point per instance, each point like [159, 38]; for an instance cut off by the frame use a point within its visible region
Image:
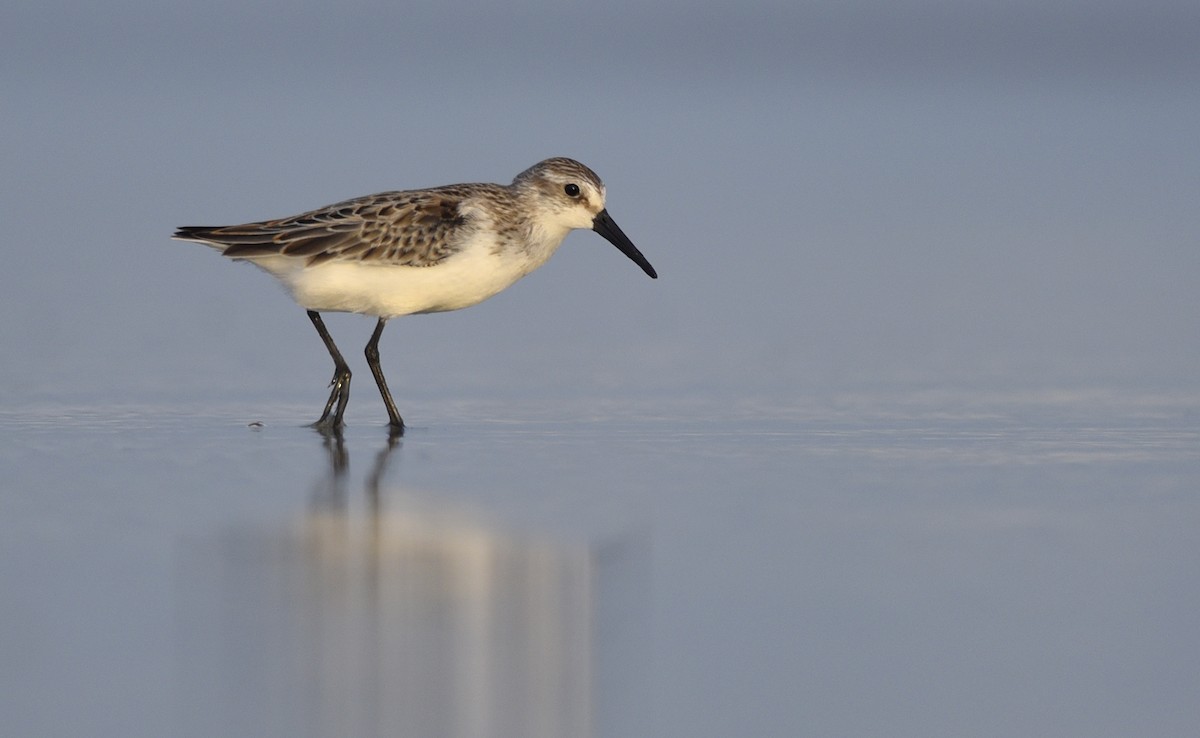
[908, 565]
[836, 195]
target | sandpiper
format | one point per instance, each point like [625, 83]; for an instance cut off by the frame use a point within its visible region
[418, 251]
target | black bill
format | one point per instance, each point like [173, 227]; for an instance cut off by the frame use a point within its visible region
[607, 227]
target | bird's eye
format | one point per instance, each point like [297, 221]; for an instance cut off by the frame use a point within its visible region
[572, 190]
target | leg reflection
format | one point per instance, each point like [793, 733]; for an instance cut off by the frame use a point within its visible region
[392, 612]
[330, 489]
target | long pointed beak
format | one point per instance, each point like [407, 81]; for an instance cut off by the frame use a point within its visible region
[607, 227]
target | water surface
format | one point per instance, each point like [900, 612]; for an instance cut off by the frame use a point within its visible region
[909, 565]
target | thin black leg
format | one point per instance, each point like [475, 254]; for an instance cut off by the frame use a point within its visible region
[341, 378]
[372, 352]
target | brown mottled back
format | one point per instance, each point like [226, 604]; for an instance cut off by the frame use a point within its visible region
[409, 228]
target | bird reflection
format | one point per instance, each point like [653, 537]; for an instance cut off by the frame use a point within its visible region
[424, 614]
[395, 613]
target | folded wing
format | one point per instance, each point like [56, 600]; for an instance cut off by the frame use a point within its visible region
[419, 229]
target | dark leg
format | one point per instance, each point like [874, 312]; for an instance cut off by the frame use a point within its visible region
[372, 352]
[341, 378]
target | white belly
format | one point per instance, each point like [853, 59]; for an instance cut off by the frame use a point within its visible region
[467, 278]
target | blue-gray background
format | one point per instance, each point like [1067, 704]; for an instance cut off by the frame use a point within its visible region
[837, 193]
[911, 412]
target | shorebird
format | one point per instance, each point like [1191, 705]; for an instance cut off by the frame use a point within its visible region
[418, 251]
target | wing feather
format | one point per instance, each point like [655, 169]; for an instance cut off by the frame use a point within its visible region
[412, 228]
